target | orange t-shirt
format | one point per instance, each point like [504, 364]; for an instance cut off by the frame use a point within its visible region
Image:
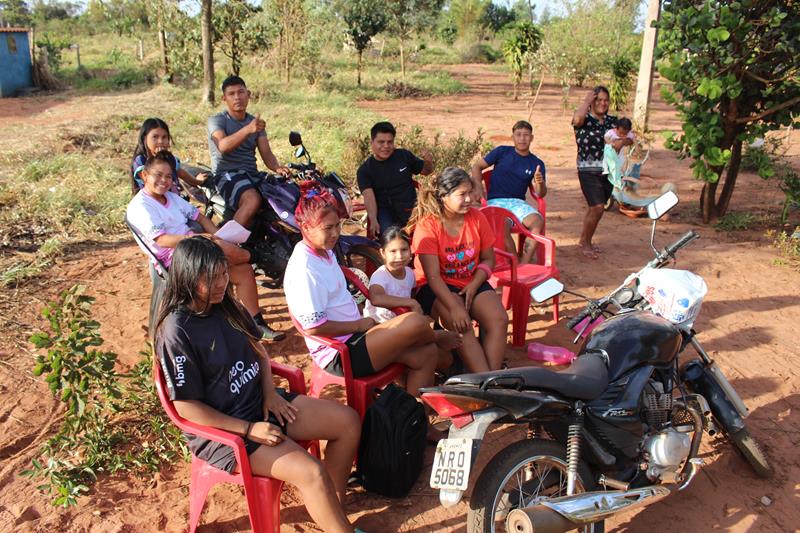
[459, 255]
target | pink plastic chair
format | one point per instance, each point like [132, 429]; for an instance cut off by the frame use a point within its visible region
[263, 494]
[541, 205]
[515, 279]
[359, 391]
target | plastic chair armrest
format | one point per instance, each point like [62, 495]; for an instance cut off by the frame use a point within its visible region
[293, 375]
[512, 259]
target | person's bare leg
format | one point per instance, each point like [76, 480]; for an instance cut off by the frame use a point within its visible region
[334, 422]
[289, 462]
[244, 281]
[471, 351]
[406, 339]
[593, 215]
[488, 311]
[511, 246]
[249, 204]
[534, 224]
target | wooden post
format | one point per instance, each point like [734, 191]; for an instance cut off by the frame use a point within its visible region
[77, 48]
[644, 84]
[140, 50]
[207, 36]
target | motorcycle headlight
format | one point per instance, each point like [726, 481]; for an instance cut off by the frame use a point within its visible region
[348, 204]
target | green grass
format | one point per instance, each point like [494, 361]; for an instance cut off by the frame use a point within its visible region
[736, 221]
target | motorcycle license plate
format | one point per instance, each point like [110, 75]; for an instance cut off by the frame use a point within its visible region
[451, 464]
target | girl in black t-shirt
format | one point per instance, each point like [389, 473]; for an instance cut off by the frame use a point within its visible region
[218, 375]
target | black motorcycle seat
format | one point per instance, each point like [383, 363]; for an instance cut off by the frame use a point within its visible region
[585, 379]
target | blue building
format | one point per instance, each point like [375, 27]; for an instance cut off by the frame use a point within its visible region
[15, 61]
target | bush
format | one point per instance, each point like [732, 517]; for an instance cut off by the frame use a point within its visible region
[480, 53]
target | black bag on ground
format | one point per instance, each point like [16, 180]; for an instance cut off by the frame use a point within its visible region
[392, 449]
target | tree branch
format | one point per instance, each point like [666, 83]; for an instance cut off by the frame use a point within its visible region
[753, 118]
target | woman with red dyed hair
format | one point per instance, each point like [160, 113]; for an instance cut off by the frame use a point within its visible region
[317, 295]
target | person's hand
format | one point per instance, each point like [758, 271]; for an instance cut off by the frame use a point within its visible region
[373, 228]
[265, 433]
[365, 324]
[202, 177]
[468, 293]
[591, 96]
[462, 322]
[415, 307]
[276, 404]
[257, 125]
[537, 175]
[283, 171]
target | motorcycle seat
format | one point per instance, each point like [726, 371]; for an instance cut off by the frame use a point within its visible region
[585, 379]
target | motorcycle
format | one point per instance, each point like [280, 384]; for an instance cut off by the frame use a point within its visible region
[620, 428]
[275, 231]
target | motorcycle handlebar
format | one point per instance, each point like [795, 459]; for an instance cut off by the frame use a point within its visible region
[680, 243]
[574, 321]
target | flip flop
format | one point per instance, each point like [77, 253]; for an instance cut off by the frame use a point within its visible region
[591, 254]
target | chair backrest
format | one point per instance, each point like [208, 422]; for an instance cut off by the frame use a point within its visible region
[541, 204]
[499, 217]
[139, 238]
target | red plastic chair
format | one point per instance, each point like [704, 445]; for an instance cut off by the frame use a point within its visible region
[263, 494]
[515, 279]
[541, 205]
[359, 391]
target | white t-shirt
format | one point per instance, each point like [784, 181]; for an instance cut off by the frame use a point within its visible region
[152, 219]
[393, 287]
[316, 291]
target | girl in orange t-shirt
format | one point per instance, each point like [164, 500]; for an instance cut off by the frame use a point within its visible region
[453, 243]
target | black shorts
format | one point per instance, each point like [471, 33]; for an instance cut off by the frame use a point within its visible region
[426, 297]
[231, 186]
[221, 455]
[595, 187]
[360, 363]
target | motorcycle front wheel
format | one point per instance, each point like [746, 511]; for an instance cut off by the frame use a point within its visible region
[520, 475]
[752, 452]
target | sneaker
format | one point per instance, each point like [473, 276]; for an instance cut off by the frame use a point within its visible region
[269, 334]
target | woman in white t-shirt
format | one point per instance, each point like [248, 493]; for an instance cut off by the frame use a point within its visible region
[317, 296]
[161, 218]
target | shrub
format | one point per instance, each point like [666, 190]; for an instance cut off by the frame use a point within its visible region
[480, 53]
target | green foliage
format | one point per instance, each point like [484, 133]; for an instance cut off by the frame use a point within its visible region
[480, 53]
[54, 47]
[520, 48]
[239, 28]
[105, 411]
[622, 77]
[403, 17]
[364, 21]
[788, 244]
[467, 15]
[734, 74]
[770, 161]
[497, 16]
[15, 13]
[735, 221]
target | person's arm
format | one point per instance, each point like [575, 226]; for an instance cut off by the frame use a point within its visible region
[579, 117]
[477, 175]
[228, 143]
[193, 180]
[332, 328]
[371, 205]
[274, 403]
[170, 240]
[458, 312]
[202, 413]
[427, 163]
[619, 143]
[379, 298]
[478, 277]
[269, 158]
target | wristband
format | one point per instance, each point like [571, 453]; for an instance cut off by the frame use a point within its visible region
[485, 268]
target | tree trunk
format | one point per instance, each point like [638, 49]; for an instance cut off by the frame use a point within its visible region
[730, 178]
[517, 77]
[206, 32]
[236, 61]
[402, 61]
[162, 43]
[358, 68]
[707, 196]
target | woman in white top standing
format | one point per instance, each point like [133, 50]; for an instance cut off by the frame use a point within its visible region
[317, 296]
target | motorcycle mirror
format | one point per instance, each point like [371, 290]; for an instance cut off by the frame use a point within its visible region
[661, 205]
[301, 150]
[295, 139]
[546, 290]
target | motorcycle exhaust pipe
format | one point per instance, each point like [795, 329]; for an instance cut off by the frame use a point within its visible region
[571, 512]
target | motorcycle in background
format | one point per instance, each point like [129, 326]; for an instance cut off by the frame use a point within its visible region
[620, 428]
[275, 231]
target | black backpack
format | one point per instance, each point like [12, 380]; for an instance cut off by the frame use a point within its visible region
[392, 449]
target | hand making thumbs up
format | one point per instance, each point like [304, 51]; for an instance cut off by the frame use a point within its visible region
[537, 175]
[257, 125]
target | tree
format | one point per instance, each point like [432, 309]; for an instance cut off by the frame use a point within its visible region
[207, 39]
[364, 20]
[519, 48]
[495, 17]
[467, 16]
[735, 76]
[239, 28]
[290, 18]
[15, 13]
[405, 16]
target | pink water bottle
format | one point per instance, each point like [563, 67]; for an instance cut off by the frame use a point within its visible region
[545, 353]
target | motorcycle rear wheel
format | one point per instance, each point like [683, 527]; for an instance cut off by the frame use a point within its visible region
[752, 452]
[542, 464]
[363, 257]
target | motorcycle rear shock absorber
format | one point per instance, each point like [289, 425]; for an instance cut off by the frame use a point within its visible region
[574, 448]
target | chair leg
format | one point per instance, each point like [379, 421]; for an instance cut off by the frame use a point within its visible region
[198, 491]
[519, 313]
[507, 294]
[555, 310]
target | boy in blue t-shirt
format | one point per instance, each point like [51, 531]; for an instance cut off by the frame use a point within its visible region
[515, 168]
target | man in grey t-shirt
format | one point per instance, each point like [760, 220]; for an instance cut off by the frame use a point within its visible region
[233, 137]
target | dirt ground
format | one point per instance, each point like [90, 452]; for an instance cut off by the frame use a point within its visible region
[747, 324]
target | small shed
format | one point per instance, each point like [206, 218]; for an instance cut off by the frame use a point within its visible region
[15, 61]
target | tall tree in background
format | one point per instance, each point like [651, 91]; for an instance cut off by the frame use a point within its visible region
[467, 16]
[523, 42]
[239, 28]
[365, 19]
[291, 19]
[735, 76]
[406, 16]
[207, 40]
[15, 12]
